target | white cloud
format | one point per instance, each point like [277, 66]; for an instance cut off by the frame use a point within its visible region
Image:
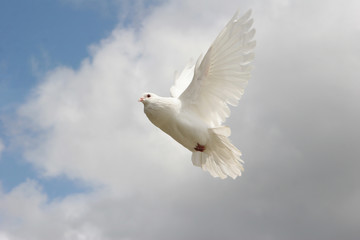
[296, 125]
[95, 128]
[3, 236]
[26, 214]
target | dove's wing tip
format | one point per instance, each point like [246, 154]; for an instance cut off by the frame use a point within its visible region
[240, 15]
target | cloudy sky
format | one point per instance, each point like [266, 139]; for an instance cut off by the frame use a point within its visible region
[80, 160]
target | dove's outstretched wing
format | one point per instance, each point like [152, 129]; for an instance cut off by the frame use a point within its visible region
[182, 80]
[222, 75]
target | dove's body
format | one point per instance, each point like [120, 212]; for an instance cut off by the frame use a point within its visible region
[167, 114]
[194, 114]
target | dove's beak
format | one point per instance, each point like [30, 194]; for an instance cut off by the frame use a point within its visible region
[141, 99]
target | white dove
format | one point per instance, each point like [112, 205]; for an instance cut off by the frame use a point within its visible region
[193, 116]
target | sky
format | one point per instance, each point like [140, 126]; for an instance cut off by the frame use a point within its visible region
[79, 159]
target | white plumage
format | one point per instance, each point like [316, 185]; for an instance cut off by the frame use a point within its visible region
[194, 114]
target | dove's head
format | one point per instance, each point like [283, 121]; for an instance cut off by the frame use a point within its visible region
[147, 98]
[159, 109]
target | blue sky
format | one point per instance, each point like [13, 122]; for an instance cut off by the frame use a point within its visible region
[46, 34]
[50, 32]
[80, 160]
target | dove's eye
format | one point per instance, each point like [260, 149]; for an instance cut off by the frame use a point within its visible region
[148, 95]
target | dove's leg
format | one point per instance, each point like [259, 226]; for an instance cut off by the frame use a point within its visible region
[199, 148]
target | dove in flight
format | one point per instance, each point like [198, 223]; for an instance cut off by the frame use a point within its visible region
[200, 96]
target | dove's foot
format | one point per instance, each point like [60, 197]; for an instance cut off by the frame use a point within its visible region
[199, 148]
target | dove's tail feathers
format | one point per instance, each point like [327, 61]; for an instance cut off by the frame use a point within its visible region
[221, 158]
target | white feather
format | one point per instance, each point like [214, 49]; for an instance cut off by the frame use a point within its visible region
[197, 108]
[182, 80]
[223, 74]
